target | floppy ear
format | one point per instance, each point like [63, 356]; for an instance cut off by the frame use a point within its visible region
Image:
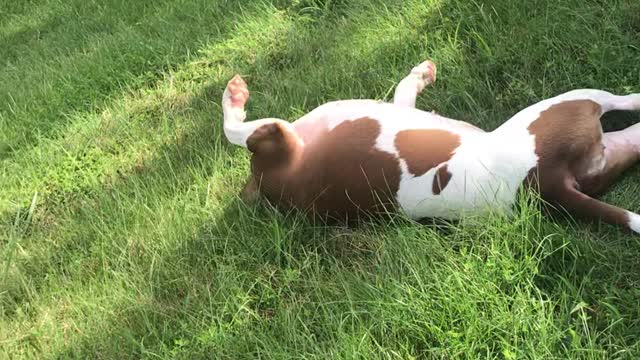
[272, 145]
[268, 138]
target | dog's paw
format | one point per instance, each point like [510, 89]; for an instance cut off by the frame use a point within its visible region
[236, 94]
[426, 72]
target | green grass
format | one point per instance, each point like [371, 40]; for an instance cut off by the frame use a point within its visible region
[121, 233]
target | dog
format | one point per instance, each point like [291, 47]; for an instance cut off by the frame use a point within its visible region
[348, 158]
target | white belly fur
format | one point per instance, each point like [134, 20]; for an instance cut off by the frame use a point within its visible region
[483, 179]
[487, 168]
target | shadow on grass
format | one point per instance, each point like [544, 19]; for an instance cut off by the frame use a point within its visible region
[84, 53]
[175, 162]
[169, 173]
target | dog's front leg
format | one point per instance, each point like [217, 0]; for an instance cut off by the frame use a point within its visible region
[413, 84]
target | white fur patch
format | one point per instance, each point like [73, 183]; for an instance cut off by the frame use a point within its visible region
[634, 221]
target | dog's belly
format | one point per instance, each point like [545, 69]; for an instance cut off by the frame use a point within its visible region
[471, 190]
[327, 116]
[483, 176]
[448, 168]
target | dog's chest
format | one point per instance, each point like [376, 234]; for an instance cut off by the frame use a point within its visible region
[466, 172]
[446, 168]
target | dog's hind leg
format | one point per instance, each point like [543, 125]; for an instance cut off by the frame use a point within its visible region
[606, 100]
[621, 151]
[621, 148]
[409, 87]
[579, 203]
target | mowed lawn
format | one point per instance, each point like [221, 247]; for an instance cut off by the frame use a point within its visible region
[121, 231]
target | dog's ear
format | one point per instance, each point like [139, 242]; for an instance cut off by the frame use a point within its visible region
[265, 138]
[272, 146]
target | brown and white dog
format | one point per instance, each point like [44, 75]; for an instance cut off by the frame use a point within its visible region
[347, 158]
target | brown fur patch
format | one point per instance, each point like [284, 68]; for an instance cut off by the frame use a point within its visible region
[567, 137]
[441, 180]
[424, 149]
[583, 205]
[272, 144]
[348, 174]
[619, 160]
[274, 153]
[340, 174]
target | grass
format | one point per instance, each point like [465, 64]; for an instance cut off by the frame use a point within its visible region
[121, 233]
